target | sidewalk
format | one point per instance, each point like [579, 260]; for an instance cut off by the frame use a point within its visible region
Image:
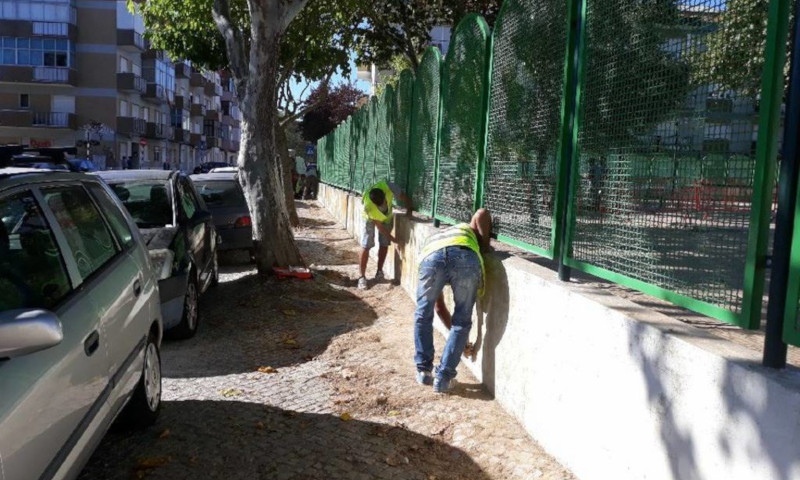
[335, 397]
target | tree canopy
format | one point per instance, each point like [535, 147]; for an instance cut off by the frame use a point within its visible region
[335, 105]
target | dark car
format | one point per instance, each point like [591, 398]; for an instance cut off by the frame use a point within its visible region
[180, 236]
[224, 197]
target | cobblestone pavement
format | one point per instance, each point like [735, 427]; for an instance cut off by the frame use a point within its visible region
[314, 380]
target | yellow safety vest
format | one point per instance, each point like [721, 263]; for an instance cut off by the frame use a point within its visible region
[371, 211]
[460, 235]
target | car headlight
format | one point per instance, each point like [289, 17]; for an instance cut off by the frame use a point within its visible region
[162, 259]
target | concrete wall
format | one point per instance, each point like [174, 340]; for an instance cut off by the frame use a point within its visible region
[612, 389]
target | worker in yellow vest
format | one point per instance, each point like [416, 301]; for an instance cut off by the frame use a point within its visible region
[450, 256]
[378, 214]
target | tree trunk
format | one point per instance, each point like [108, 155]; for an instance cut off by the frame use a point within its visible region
[287, 165]
[261, 173]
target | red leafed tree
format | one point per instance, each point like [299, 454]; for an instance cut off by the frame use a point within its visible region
[335, 105]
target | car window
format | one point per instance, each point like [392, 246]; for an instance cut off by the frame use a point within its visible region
[32, 271]
[114, 215]
[148, 202]
[86, 233]
[220, 193]
[187, 200]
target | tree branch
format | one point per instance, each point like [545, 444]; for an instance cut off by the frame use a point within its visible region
[310, 107]
[234, 43]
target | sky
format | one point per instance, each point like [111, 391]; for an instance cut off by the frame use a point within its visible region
[297, 87]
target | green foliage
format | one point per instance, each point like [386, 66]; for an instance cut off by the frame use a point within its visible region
[733, 55]
[317, 40]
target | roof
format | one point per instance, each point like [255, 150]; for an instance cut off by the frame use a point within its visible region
[14, 176]
[114, 176]
[210, 177]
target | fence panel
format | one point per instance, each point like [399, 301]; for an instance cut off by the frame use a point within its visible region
[383, 144]
[372, 143]
[668, 106]
[525, 109]
[464, 88]
[403, 102]
[358, 152]
[424, 141]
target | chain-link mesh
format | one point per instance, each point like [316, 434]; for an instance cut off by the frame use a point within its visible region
[667, 144]
[383, 143]
[403, 100]
[526, 94]
[372, 136]
[463, 90]
[425, 133]
[357, 152]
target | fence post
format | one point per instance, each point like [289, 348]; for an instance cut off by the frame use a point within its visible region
[411, 100]
[567, 178]
[480, 172]
[774, 345]
[768, 129]
[438, 148]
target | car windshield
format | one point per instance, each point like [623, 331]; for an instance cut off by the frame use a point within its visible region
[220, 193]
[149, 202]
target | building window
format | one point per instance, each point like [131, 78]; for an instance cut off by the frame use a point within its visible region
[24, 100]
[48, 52]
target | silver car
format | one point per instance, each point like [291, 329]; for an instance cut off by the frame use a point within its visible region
[80, 322]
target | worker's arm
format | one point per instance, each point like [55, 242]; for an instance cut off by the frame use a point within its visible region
[441, 310]
[385, 232]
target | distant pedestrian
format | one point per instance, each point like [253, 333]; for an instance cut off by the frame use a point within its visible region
[377, 202]
[312, 181]
[451, 256]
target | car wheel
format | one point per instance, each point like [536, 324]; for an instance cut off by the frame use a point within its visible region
[188, 326]
[143, 408]
[215, 271]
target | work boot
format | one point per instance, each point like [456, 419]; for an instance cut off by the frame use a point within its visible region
[442, 385]
[362, 283]
[424, 378]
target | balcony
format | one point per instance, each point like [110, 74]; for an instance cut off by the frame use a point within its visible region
[54, 29]
[182, 136]
[55, 120]
[183, 70]
[227, 120]
[198, 110]
[213, 142]
[16, 118]
[155, 93]
[180, 103]
[159, 130]
[130, 82]
[212, 114]
[150, 54]
[197, 80]
[130, 40]
[213, 89]
[197, 140]
[131, 126]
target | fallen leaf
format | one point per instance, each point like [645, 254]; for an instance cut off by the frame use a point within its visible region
[260, 425]
[289, 313]
[393, 413]
[230, 392]
[267, 370]
[165, 433]
[346, 416]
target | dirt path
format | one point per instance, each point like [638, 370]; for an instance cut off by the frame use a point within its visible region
[335, 397]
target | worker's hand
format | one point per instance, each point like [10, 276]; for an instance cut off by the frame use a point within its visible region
[469, 350]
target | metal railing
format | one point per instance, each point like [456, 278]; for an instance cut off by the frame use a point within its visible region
[53, 119]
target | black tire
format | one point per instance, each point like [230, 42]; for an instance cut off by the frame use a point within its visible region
[191, 316]
[252, 255]
[145, 404]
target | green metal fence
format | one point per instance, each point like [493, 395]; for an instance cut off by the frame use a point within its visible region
[634, 141]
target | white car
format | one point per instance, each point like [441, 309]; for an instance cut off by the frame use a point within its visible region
[224, 170]
[80, 322]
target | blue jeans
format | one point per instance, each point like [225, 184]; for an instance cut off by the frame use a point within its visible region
[459, 267]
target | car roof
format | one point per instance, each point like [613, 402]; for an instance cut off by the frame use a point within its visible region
[133, 175]
[210, 177]
[15, 176]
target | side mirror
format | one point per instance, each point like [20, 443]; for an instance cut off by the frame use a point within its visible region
[28, 331]
[201, 216]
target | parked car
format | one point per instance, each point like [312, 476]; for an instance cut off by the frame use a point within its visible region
[208, 166]
[223, 195]
[178, 230]
[224, 170]
[82, 165]
[80, 323]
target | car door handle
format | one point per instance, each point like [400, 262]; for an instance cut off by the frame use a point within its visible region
[91, 343]
[137, 287]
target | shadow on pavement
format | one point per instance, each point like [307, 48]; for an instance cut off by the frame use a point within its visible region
[253, 321]
[236, 440]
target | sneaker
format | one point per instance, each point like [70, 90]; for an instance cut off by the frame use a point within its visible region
[424, 378]
[441, 385]
[362, 283]
[379, 277]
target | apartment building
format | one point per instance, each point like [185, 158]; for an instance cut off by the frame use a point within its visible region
[69, 64]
